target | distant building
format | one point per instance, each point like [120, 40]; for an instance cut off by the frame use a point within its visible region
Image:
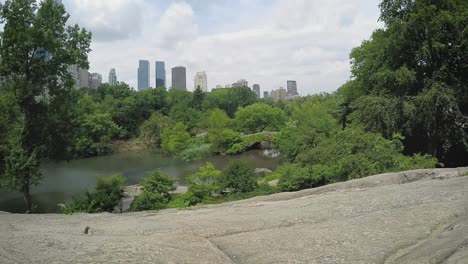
[73, 70]
[241, 83]
[201, 80]
[292, 88]
[83, 78]
[279, 95]
[179, 78]
[266, 94]
[95, 80]
[219, 86]
[256, 89]
[227, 86]
[112, 77]
[143, 75]
[160, 70]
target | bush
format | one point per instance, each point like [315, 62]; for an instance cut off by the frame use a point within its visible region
[157, 192]
[105, 198]
[196, 151]
[293, 177]
[239, 177]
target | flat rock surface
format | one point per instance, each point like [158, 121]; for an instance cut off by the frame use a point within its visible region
[407, 217]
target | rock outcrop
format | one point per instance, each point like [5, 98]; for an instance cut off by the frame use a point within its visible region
[409, 217]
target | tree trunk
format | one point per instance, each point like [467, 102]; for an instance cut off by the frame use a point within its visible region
[27, 199]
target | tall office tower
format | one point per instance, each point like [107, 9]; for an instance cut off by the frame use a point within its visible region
[201, 80]
[292, 88]
[256, 89]
[179, 78]
[266, 94]
[143, 75]
[95, 79]
[160, 71]
[83, 77]
[112, 77]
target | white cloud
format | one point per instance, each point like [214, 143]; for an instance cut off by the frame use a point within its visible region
[304, 40]
[108, 20]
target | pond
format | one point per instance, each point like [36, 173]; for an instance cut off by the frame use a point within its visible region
[64, 180]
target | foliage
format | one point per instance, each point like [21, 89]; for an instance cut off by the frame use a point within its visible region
[35, 51]
[293, 177]
[202, 185]
[230, 99]
[174, 140]
[412, 75]
[259, 117]
[239, 178]
[152, 129]
[105, 198]
[157, 192]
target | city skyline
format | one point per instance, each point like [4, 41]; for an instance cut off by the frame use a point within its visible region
[199, 37]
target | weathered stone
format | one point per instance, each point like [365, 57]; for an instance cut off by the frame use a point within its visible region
[411, 217]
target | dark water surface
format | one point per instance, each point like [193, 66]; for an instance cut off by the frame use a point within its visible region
[65, 180]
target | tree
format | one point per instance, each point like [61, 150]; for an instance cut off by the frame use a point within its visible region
[36, 50]
[174, 140]
[260, 117]
[239, 177]
[416, 66]
[198, 97]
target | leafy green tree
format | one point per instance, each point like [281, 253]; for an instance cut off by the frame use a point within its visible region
[35, 51]
[230, 99]
[260, 117]
[152, 129]
[157, 192]
[93, 137]
[198, 98]
[174, 140]
[416, 67]
[239, 177]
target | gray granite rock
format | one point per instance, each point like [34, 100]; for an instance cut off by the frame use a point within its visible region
[409, 217]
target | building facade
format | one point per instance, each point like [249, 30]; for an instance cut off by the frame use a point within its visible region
[143, 75]
[179, 78]
[279, 95]
[292, 88]
[256, 89]
[241, 83]
[83, 77]
[73, 70]
[112, 77]
[160, 71]
[266, 94]
[95, 80]
[201, 81]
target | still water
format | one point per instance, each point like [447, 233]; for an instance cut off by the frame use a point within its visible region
[64, 180]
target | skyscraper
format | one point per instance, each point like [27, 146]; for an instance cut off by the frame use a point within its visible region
[266, 94]
[292, 88]
[143, 75]
[201, 80]
[95, 79]
[256, 88]
[112, 77]
[160, 71]
[179, 78]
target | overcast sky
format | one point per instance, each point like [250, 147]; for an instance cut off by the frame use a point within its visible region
[264, 41]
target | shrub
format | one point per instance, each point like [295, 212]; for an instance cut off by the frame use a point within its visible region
[239, 177]
[105, 198]
[293, 177]
[157, 192]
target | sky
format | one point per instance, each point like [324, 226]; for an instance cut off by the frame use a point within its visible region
[264, 41]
